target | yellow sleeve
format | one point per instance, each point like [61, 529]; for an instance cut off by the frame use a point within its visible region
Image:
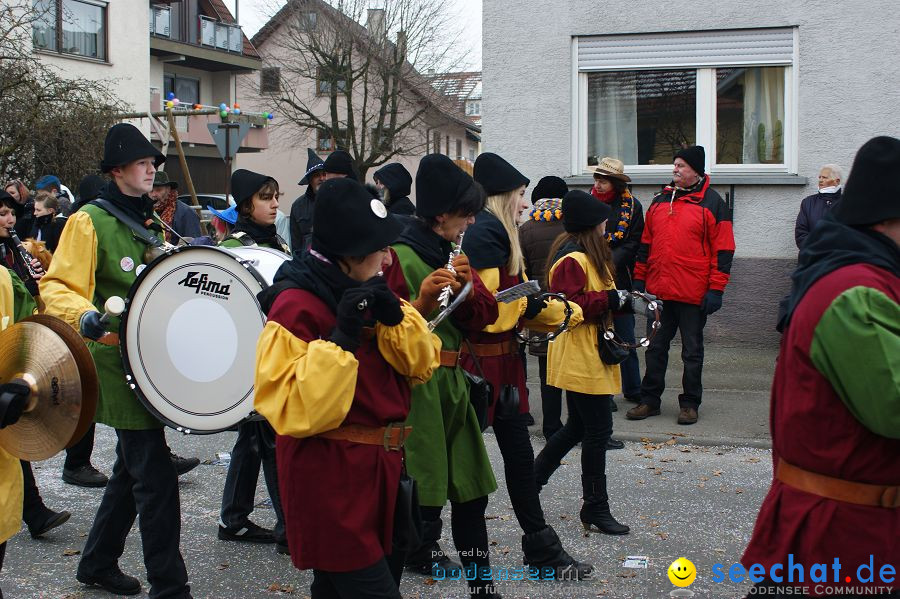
[302, 389]
[552, 316]
[509, 313]
[410, 348]
[68, 287]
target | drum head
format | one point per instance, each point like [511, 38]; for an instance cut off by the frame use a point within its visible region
[190, 330]
[266, 261]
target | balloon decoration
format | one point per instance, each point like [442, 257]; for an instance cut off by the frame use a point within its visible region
[223, 109]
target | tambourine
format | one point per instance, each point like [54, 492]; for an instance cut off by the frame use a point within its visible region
[535, 339]
[654, 306]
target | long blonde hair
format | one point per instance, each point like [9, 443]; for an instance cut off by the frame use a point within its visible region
[503, 206]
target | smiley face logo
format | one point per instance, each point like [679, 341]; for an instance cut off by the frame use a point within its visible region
[682, 572]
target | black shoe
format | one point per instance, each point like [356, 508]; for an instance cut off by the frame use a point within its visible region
[595, 513]
[543, 549]
[612, 405]
[115, 581]
[614, 444]
[249, 533]
[281, 547]
[183, 465]
[439, 566]
[48, 522]
[85, 476]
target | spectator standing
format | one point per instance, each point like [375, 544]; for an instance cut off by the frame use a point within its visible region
[302, 209]
[177, 215]
[814, 207]
[17, 190]
[395, 183]
[835, 415]
[684, 259]
[52, 184]
[48, 222]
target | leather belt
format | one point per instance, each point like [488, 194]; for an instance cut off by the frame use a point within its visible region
[391, 437]
[449, 358]
[490, 350]
[838, 489]
[111, 339]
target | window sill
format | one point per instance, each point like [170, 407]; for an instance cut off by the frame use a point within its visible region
[717, 179]
[73, 57]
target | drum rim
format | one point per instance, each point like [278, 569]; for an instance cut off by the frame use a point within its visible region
[130, 379]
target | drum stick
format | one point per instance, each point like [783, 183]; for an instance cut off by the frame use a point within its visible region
[114, 306]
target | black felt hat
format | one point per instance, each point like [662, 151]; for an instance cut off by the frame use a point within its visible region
[550, 187]
[695, 156]
[124, 144]
[245, 183]
[313, 164]
[440, 184]
[496, 175]
[583, 211]
[348, 221]
[341, 163]
[872, 193]
[8, 200]
[396, 178]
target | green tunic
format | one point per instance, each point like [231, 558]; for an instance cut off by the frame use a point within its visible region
[23, 303]
[445, 452]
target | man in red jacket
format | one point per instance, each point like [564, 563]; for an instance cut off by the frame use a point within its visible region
[685, 259]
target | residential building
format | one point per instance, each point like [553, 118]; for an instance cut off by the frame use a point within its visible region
[772, 90]
[437, 122]
[465, 88]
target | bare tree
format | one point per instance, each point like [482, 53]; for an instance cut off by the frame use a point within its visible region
[49, 124]
[361, 85]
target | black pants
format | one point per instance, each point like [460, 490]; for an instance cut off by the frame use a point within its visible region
[687, 318]
[551, 402]
[2, 554]
[381, 580]
[80, 454]
[255, 446]
[34, 511]
[469, 534]
[589, 423]
[518, 467]
[143, 484]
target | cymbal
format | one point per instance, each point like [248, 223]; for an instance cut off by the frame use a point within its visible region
[33, 353]
[90, 385]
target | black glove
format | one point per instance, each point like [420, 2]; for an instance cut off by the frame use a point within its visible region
[620, 301]
[536, 303]
[385, 305]
[351, 312]
[712, 301]
[639, 285]
[90, 325]
[13, 399]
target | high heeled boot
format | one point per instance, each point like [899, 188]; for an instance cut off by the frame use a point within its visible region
[595, 511]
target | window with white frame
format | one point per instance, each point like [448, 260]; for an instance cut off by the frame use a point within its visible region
[642, 97]
[74, 27]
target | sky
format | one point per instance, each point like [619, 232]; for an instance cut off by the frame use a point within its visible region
[253, 14]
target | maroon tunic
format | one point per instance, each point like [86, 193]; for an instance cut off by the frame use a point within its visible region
[338, 496]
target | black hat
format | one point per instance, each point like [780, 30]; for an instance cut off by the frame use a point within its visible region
[341, 163]
[348, 221]
[313, 164]
[396, 178]
[496, 175]
[161, 179]
[695, 156]
[245, 183]
[90, 188]
[439, 185]
[872, 193]
[551, 187]
[583, 211]
[8, 200]
[125, 143]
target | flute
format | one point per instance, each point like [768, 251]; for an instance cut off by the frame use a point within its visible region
[444, 297]
[35, 272]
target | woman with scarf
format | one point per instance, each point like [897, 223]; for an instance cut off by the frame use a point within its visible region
[492, 245]
[257, 204]
[334, 367]
[623, 234]
[179, 216]
[445, 452]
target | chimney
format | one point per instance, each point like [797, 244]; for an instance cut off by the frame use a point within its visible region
[375, 22]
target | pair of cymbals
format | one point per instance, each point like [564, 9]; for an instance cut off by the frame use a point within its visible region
[53, 360]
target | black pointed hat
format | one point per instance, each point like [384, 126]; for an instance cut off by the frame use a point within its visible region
[313, 164]
[497, 175]
[124, 144]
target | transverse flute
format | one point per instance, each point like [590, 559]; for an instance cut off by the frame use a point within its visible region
[444, 297]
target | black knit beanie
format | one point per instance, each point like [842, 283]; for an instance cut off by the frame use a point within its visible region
[440, 184]
[872, 193]
[496, 175]
[695, 156]
[550, 187]
[583, 211]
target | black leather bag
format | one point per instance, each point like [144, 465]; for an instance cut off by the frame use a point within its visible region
[507, 402]
[610, 353]
[481, 392]
[407, 517]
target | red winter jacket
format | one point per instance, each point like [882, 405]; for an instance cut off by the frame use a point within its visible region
[687, 246]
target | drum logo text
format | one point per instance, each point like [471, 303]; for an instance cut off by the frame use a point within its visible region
[202, 284]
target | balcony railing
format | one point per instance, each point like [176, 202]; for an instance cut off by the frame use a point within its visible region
[223, 36]
[160, 21]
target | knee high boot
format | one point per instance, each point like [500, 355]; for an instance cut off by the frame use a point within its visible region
[595, 511]
[429, 556]
[543, 550]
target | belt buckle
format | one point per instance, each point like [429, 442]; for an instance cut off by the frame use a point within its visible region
[890, 497]
[387, 436]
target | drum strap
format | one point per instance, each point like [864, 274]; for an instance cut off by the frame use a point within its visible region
[139, 230]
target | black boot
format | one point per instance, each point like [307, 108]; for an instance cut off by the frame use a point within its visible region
[544, 468]
[543, 549]
[595, 511]
[429, 558]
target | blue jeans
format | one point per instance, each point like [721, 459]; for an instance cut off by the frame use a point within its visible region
[623, 324]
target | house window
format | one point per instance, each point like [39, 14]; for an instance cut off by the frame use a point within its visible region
[186, 89]
[270, 80]
[324, 81]
[306, 21]
[76, 27]
[326, 142]
[732, 92]
[473, 108]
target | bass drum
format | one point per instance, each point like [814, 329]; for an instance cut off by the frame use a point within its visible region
[189, 335]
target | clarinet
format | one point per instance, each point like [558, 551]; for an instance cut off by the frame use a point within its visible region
[33, 271]
[444, 297]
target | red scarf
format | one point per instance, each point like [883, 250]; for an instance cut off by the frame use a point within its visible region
[605, 197]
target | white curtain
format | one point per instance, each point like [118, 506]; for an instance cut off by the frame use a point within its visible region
[82, 26]
[763, 115]
[612, 116]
